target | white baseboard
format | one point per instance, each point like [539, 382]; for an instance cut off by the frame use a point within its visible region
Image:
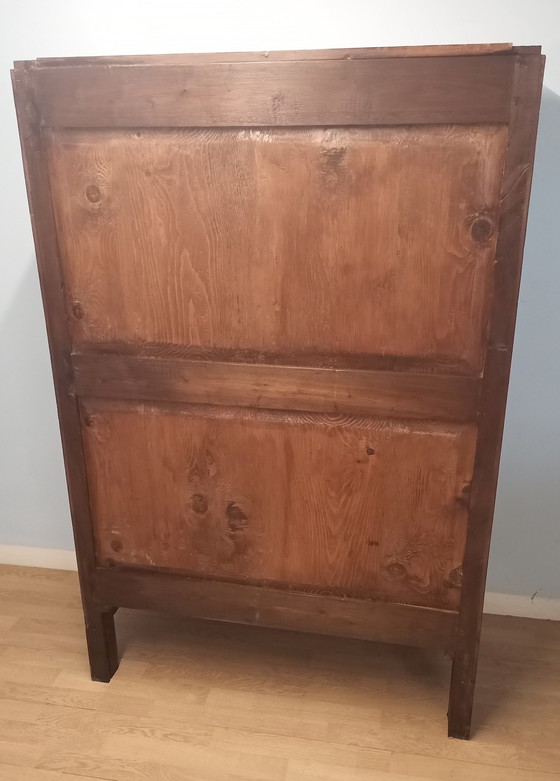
[49, 558]
[522, 606]
[499, 604]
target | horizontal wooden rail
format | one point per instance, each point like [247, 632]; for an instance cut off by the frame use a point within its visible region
[384, 393]
[382, 621]
[380, 52]
[419, 90]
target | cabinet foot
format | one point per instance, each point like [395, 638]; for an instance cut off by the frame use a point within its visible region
[102, 644]
[461, 694]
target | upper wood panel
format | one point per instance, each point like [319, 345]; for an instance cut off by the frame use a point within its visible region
[329, 243]
[346, 505]
[391, 91]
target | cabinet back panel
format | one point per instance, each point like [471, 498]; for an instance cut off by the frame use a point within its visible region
[337, 244]
[334, 504]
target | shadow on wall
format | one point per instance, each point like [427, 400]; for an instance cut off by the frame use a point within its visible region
[526, 541]
[34, 505]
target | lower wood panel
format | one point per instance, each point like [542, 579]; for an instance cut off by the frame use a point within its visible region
[339, 505]
[390, 623]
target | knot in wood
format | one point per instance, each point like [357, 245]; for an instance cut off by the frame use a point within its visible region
[482, 228]
[93, 194]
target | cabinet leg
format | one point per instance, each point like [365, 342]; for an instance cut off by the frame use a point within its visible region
[102, 644]
[461, 693]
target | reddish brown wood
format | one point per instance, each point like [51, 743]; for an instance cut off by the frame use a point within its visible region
[394, 91]
[252, 244]
[235, 314]
[453, 50]
[100, 630]
[514, 201]
[260, 385]
[102, 641]
[334, 504]
[401, 624]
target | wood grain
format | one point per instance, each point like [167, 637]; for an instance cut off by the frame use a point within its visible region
[391, 394]
[514, 205]
[392, 91]
[270, 607]
[99, 629]
[453, 50]
[348, 506]
[337, 242]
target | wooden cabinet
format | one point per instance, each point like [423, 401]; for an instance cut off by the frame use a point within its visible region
[280, 291]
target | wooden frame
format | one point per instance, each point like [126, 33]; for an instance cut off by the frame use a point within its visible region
[463, 89]
[398, 394]
[483, 84]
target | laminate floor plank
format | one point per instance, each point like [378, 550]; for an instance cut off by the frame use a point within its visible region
[202, 701]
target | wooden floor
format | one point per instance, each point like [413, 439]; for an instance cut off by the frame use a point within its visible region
[196, 701]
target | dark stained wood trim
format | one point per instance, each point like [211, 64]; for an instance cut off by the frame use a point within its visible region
[100, 635]
[384, 393]
[516, 185]
[452, 50]
[431, 364]
[385, 622]
[422, 90]
[91, 406]
[102, 642]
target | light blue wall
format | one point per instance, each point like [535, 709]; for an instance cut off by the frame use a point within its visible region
[526, 542]
[33, 506]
